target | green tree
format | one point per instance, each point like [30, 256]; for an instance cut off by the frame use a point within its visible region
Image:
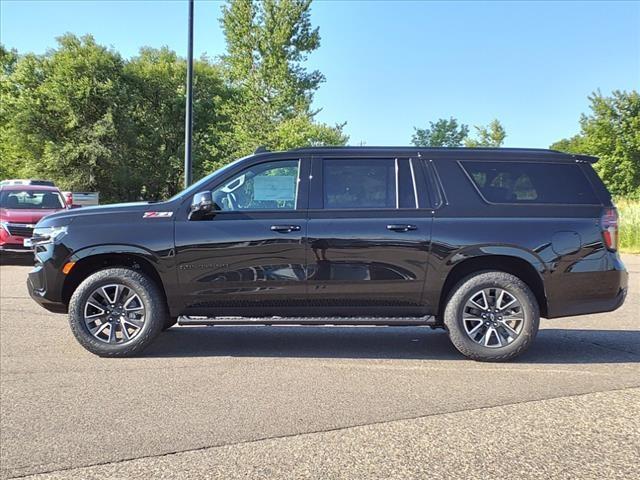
[300, 131]
[267, 44]
[155, 82]
[63, 115]
[492, 135]
[9, 164]
[611, 132]
[85, 118]
[442, 133]
[570, 145]
[90, 120]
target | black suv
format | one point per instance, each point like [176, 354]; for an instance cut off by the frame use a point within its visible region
[481, 242]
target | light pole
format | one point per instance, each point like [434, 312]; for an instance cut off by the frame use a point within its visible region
[188, 119]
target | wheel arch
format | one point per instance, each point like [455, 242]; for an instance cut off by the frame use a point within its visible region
[92, 260]
[515, 265]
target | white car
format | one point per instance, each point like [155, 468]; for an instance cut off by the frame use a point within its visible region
[81, 199]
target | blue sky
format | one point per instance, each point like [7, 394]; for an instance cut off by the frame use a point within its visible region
[391, 66]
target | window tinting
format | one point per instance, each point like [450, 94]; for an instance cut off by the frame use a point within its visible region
[266, 186]
[526, 182]
[406, 191]
[362, 183]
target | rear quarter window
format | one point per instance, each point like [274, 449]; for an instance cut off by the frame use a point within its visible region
[529, 182]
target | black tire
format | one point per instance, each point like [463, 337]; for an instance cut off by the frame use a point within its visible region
[169, 322]
[465, 291]
[155, 311]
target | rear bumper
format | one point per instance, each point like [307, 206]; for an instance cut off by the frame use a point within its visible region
[587, 306]
[588, 287]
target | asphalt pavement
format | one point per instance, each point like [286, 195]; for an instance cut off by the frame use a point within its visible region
[318, 402]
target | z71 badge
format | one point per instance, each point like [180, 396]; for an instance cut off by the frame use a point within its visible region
[157, 214]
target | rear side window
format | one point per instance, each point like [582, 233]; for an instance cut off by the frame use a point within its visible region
[528, 182]
[368, 183]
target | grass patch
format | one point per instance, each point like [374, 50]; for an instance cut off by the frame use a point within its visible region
[629, 211]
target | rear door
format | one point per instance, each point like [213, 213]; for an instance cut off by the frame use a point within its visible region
[368, 236]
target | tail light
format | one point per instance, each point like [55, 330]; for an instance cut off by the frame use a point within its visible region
[609, 224]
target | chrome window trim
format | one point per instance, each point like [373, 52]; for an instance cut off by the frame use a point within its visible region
[397, 181]
[415, 186]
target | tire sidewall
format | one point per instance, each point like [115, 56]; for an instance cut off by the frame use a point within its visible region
[142, 286]
[453, 316]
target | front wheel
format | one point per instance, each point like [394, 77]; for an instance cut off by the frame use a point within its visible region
[492, 316]
[169, 322]
[117, 312]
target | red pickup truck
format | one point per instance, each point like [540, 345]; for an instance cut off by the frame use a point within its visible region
[21, 207]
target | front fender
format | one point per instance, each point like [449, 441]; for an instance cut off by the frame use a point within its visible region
[160, 265]
[114, 249]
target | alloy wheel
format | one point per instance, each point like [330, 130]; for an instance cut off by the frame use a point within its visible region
[114, 314]
[493, 317]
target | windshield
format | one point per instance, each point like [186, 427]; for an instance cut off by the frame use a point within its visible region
[196, 187]
[31, 200]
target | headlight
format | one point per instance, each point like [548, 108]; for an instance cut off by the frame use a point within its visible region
[45, 236]
[5, 226]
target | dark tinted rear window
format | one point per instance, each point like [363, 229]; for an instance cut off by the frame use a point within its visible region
[527, 182]
[359, 183]
[368, 183]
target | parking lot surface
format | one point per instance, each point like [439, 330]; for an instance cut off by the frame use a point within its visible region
[318, 402]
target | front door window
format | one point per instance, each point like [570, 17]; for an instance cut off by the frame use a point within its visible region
[266, 186]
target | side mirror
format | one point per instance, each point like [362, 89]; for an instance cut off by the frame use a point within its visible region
[202, 206]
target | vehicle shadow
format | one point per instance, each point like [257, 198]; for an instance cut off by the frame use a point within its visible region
[552, 346]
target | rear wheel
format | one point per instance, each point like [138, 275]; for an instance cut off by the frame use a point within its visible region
[492, 316]
[117, 312]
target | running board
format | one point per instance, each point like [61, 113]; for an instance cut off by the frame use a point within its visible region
[428, 320]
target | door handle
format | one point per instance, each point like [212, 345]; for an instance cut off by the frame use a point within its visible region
[401, 228]
[285, 228]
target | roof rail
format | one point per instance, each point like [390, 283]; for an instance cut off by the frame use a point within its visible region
[260, 149]
[501, 151]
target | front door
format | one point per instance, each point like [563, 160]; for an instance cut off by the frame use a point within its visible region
[249, 258]
[368, 238]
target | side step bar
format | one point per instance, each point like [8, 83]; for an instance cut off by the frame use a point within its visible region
[428, 320]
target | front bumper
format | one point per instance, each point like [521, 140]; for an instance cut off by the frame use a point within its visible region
[10, 242]
[15, 248]
[40, 296]
[45, 281]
